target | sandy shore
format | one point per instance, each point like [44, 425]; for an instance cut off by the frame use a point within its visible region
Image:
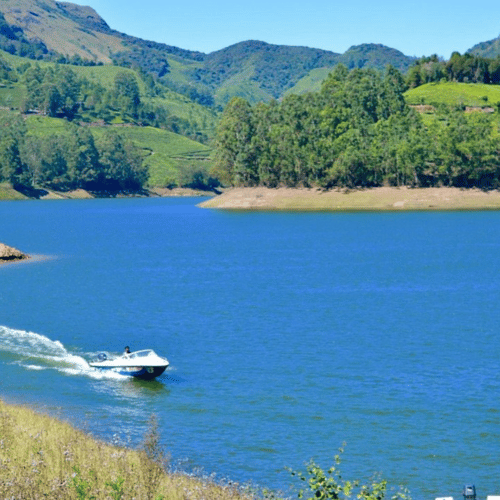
[374, 199]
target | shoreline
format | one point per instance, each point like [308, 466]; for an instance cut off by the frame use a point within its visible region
[29, 259]
[370, 199]
[304, 199]
[8, 193]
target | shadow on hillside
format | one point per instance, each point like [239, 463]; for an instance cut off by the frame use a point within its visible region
[30, 192]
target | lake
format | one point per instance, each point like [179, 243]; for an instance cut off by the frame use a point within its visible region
[287, 333]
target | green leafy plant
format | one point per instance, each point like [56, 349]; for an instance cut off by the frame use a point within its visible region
[82, 485]
[325, 485]
[117, 490]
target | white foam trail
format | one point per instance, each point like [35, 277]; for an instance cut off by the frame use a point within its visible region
[34, 367]
[22, 342]
[37, 352]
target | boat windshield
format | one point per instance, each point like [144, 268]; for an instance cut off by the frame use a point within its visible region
[139, 354]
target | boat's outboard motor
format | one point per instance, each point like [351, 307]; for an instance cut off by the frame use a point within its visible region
[102, 357]
[469, 492]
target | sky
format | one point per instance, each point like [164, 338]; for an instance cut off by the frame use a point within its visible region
[416, 28]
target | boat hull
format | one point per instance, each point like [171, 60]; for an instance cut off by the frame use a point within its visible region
[145, 364]
[142, 372]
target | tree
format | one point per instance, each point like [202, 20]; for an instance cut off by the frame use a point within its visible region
[82, 158]
[12, 133]
[44, 160]
[127, 93]
[51, 99]
[235, 159]
[391, 98]
[120, 163]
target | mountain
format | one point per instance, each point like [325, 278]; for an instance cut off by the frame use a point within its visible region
[375, 55]
[61, 29]
[253, 69]
[358, 56]
[489, 49]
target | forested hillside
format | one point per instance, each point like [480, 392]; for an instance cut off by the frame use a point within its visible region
[65, 32]
[491, 48]
[357, 131]
[258, 71]
[84, 106]
[101, 128]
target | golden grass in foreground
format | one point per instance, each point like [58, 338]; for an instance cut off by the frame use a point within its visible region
[41, 457]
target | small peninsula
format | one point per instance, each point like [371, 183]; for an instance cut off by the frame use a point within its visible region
[370, 199]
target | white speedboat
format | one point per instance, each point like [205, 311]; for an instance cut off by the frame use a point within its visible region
[145, 364]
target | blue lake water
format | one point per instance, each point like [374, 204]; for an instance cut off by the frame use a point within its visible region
[287, 334]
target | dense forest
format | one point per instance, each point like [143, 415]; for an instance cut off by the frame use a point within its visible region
[69, 161]
[357, 131]
[467, 68]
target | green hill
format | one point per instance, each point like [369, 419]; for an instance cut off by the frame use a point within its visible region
[359, 56]
[258, 71]
[171, 158]
[311, 82]
[455, 94]
[49, 22]
[261, 69]
[372, 55]
[202, 118]
[490, 48]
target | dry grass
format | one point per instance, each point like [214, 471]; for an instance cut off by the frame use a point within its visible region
[41, 457]
[66, 36]
[383, 198]
[7, 192]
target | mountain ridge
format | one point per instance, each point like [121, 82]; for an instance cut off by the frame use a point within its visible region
[490, 48]
[256, 69]
[253, 69]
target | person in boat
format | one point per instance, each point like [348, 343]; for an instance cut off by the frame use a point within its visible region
[127, 350]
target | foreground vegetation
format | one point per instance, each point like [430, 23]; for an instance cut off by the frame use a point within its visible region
[43, 458]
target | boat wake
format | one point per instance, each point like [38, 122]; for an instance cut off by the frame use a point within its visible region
[33, 351]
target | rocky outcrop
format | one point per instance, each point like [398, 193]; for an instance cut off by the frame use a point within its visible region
[9, 254]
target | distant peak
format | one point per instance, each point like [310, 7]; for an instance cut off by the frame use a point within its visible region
[84, 15]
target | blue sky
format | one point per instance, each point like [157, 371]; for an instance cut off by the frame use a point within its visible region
[416, 28]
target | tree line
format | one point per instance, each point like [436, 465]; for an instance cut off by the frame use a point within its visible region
[68, 161]
[466, 68]
[357, 131]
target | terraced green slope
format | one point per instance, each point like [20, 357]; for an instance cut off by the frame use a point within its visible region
[455, 94]
[203, 118]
